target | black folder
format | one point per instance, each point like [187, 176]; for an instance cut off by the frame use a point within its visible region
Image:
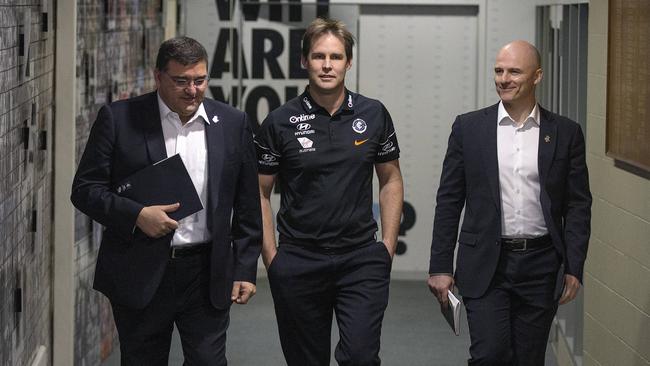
[163, 183]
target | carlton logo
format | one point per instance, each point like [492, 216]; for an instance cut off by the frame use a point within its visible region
[359, 125]
[302, 118]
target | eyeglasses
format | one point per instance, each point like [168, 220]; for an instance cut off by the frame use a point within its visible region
[183, 83]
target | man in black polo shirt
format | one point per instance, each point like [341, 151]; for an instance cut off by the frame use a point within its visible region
[324, 144]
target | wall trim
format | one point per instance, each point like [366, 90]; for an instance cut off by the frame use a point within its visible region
[64, 163]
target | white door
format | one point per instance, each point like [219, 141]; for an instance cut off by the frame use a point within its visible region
[422, 63]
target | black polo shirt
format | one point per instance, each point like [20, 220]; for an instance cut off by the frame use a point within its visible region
[325, 165]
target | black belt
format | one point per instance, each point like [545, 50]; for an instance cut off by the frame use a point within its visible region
[189, 250]
[521, 244]
[328, 250]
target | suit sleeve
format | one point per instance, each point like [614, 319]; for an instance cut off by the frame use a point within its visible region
[449, 205]
[92, 193]
[247, 212]
[577, 209]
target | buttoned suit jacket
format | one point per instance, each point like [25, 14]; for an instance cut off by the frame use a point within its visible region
[127, 136]
[470, 179]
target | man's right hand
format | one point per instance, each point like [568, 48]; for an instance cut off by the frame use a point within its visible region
[154, 222]
[439, 285]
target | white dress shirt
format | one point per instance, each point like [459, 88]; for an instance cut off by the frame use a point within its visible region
[189, 141]
[521, 210]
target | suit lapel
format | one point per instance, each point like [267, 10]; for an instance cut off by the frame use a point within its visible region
[547, 143]
[153, 133]
[488, 139]
[214, 143]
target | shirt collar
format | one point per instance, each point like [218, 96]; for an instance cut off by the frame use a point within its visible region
[503, 114]
[310, 105]
[165, 111]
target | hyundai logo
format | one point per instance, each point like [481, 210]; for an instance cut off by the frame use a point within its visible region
[268, 157]
[303, 126]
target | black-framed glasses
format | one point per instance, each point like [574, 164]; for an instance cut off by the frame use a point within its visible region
[183, 83]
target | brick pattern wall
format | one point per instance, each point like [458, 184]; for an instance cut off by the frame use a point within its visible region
[616, 287]
[117, 42]
[26, 102]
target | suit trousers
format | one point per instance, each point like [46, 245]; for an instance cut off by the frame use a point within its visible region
[310, 285]
[510, 323]
[182, 299]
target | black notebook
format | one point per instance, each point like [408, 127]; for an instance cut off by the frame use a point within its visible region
[163, 183]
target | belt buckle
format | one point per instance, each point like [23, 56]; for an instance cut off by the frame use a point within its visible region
[523, 243]
[173, 254]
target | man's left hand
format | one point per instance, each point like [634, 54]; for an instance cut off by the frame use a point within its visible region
[571, 287]
[242, 291]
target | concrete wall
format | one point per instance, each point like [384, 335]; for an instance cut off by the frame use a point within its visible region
[26, 102]
[617, 290]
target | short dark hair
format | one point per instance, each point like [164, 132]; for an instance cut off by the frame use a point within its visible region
[321, 26]
[184, 50]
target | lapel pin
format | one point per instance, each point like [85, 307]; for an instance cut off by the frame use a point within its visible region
[547, 138]
[215, 119]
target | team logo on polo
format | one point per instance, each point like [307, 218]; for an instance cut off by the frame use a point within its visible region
[302, 118]
[359, 125]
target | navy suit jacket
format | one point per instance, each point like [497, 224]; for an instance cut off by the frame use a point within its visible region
[470, 179]
[126, 137]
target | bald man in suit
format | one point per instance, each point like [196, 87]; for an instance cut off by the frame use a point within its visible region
[519, 171]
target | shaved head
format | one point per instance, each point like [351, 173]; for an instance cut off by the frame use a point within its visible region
[527, 51]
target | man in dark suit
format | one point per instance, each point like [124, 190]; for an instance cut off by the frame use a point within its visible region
[158, 272]
[520, 173]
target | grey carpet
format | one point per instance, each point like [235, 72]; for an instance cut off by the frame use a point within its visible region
[414, 333]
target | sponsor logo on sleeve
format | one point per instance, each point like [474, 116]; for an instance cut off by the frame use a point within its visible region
[269, 160]
[359, 125]
[387, 148]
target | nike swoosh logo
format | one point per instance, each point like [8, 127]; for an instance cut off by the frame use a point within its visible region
[359, 142]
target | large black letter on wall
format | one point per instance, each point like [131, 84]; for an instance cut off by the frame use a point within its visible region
[253, 99]
[271, 57]
[219, 63]
[224, 11]
[295, 68]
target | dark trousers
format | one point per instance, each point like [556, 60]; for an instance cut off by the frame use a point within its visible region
[308, 286]
[509, 325]
[182, 298]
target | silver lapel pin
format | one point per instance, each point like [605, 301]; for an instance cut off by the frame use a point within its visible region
[547, 138]
[215, 119]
